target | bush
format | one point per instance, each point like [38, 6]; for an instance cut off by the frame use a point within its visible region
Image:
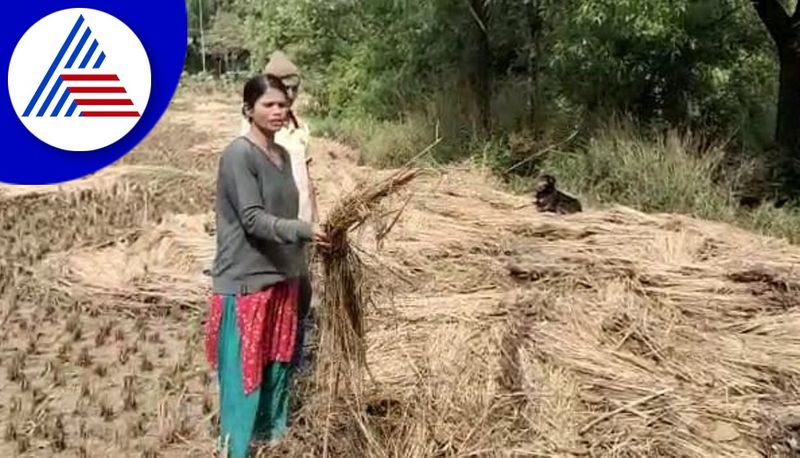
[651, 172]
[450, 113]
[776, 222]
[382, 143]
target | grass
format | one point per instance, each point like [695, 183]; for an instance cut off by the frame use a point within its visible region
[776, 222]
[449, 114]
[617, 164]
[383, 143]
[664, 173]
[610, 161]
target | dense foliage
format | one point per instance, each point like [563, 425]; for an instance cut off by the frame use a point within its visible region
[513, 77]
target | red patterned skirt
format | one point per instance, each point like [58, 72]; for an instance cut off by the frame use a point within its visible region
[267, 323]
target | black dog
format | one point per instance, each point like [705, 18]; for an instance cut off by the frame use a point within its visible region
[550, 199]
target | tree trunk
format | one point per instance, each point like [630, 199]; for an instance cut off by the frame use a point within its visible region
[482, 72]
[785, 33]
[787, 132]
[534, 19]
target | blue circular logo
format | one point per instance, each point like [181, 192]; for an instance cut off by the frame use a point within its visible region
[87, 81]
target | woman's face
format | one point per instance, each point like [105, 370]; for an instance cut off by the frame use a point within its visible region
[270, 110]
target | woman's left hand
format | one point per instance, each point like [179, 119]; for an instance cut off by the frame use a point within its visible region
[321, 238]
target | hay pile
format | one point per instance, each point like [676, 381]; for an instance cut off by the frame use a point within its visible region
[161, 267]
[36, 220]
[180, 145]
[654, 335]
[607, 333]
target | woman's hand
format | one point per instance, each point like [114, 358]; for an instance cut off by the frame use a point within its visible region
[320, 237]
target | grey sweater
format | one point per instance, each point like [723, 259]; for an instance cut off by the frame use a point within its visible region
[259, 238]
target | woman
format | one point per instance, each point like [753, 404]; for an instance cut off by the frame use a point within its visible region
[253, 319]
[295, 135]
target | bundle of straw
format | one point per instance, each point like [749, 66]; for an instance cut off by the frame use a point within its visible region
[341, 326]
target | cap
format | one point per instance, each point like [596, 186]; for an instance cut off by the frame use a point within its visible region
[280, 66]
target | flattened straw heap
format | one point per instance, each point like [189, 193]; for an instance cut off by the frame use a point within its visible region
[341, 326]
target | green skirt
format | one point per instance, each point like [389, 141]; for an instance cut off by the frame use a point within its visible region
[262, 415]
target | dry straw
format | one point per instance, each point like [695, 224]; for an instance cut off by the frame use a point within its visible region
[342, 319]
[610, 333]
[160, 270]
[342, 348]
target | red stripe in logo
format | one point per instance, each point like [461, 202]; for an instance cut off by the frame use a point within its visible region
[110, 114]
[104, 101]
[96, 90]
[90, 77]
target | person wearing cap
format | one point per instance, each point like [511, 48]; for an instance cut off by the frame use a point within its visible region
[294, 137]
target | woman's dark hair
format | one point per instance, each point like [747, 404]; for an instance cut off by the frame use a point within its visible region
[256, 86]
